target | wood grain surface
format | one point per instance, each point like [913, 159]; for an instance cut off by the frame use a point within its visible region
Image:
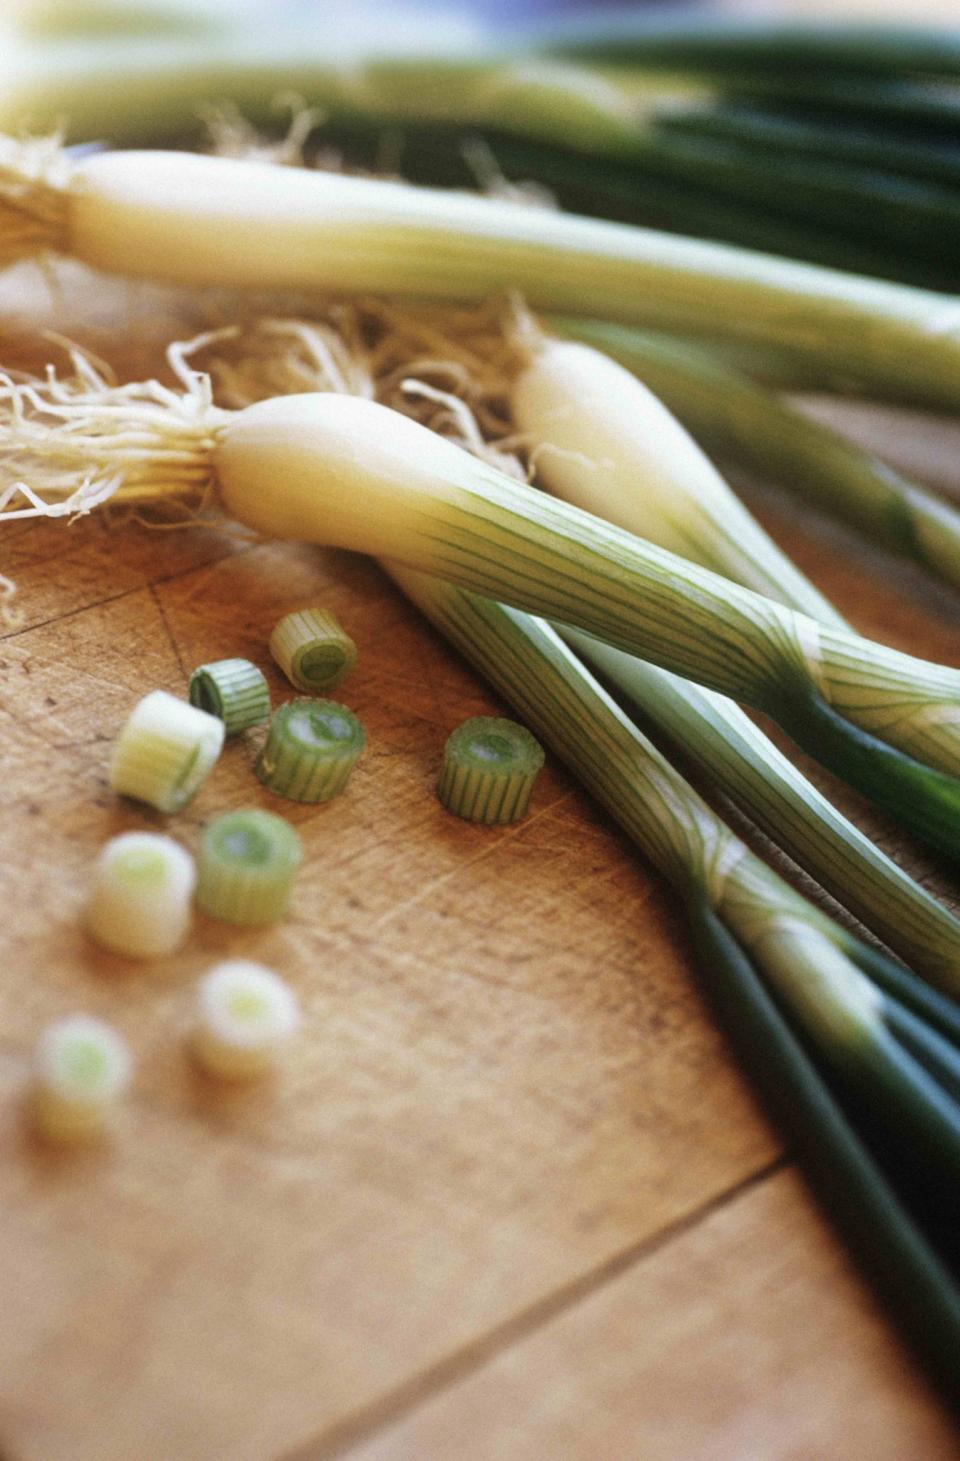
[509, 1198]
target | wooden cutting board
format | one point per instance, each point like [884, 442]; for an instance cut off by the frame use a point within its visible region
[510, 1199]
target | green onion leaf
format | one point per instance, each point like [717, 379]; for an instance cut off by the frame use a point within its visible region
[312, 650]
[234, 690]
[882, 1236]
[311, 749]
[490, 766]
[248, 861]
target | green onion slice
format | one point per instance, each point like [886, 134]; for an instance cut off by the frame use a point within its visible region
[312, 747]
[80, 1069]
[165, 751]
[140, 899]
[247, 864]
[234, 690]
[245, 1016]
[489, 768]
[312, 650]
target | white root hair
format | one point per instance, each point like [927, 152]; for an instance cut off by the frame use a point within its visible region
[447, 369]
[71, 445]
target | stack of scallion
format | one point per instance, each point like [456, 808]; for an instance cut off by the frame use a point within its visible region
[859, 1056]
[836, 144]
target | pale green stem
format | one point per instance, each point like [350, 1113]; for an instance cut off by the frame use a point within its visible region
[799, 948]
[748, 767]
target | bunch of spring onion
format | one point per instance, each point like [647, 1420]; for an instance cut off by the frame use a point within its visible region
[706, 129]
[352, 473]
[683, 503]
[241, 223]
[801, 998]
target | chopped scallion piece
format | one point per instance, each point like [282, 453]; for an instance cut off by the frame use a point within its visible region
[312, 650]
[312, 747]
[140, 900]
[489, 768]
[247, 864]
[234, 690]
[81, 1068]
[245, 1016]
[165, 751]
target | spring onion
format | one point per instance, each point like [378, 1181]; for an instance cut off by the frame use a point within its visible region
[605, 442]
[81, 1069]
[490, 766]
[816, 970]
[245, 1017]
[233, 690]
[352, 473]
[312, 649]
[246, 867]
[743, 423]
[140, 900]
[311, 749]
[206, 220]
[165, 751]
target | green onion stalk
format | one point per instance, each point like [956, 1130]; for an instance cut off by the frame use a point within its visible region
[846, 215]
[857, 216]
[603, 442]
[807, 956]
[104, 20]
[141, 87]
[758, 940]
[907, 105]
[716, 735]
[240, 223]
[686, 505]
[912, 216]
[790, 133]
